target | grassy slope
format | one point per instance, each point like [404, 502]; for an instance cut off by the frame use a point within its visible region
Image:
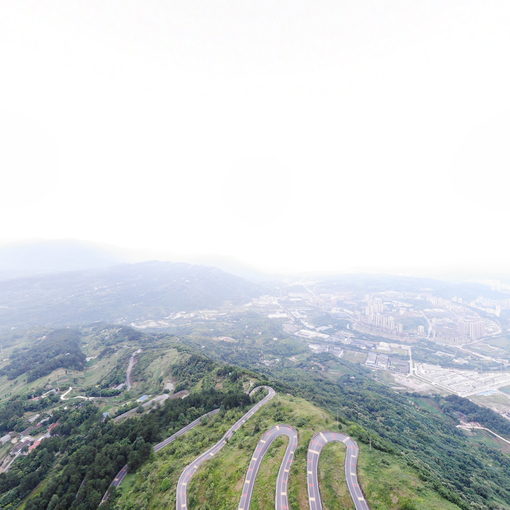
[388, 483]
[332, 479]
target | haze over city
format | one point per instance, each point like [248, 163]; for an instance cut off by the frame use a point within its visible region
[323, 136]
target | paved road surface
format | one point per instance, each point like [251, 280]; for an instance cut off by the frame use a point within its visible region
[189, 471]
[119, 478]
[281, 498]
[351, 461]
[182, 431]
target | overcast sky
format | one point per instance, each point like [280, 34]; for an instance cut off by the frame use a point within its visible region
[317, 135]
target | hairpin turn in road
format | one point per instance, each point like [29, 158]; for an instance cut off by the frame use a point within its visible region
[189, 471]
[281, 497]
[318, 442]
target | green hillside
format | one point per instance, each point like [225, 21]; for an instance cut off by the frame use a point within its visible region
[386, 480]
[455, 465]
[412, 455]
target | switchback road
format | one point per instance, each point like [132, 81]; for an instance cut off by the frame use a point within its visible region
[189, 471]
[281, 498]
[185, 429]
[351, 462]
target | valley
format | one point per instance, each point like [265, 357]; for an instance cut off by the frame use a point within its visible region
[408, 404]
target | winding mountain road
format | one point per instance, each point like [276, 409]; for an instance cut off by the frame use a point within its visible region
[281, 497]
[189, 471]
[185, 429]
[318, 442]
[315, 447]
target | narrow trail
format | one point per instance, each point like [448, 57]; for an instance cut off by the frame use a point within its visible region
[63, 396]
[472, 426]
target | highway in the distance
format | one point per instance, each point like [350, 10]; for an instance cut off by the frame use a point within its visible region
[351, 463]
[281, 497]
[189, 471]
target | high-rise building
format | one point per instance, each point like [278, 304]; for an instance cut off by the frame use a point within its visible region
[375, 305]
[476, 330]
[472, 329]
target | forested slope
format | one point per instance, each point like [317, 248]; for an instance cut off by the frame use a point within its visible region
[461, 471]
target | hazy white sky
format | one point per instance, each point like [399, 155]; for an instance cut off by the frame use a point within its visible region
[333, 135]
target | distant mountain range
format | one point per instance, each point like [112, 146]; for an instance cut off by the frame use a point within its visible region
[120, 293]
[45, 257]
[60, 283]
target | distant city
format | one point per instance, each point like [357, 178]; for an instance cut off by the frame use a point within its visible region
[423, 341]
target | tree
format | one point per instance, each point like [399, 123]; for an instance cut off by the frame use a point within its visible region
[53, 502]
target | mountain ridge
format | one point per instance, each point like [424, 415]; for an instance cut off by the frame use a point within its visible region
[121, 293]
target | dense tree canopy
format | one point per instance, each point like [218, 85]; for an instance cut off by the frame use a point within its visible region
[58, 349]
[87, 453]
